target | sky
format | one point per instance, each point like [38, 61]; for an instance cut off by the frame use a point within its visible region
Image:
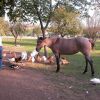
[91, 13]
[6, 18]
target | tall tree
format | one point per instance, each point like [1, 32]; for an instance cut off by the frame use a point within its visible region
[93, 21]
[17, 30]
[41, 10]
[66, 21]
[38, 10]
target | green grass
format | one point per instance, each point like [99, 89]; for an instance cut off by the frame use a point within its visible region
[73, 70]
[77, 62]
[28, 44]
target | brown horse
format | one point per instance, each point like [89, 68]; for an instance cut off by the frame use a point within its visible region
[68, 46]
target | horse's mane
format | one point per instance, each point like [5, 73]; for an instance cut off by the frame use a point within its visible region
[55, 39]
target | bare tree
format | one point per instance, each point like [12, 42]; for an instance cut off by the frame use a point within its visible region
[16, 30]
[93, 22]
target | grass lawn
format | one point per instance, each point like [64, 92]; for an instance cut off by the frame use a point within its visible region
[71, 74]
[28, 44]
[77, 61]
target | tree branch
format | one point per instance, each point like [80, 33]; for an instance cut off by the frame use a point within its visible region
[49, 16]
[38, 14]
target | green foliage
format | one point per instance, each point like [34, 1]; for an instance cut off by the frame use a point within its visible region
[1, 8]
[65, 21]
[42, 9]
[39, 10]
[4, 26]
[32, 7]
[6, 5]
[24, 9]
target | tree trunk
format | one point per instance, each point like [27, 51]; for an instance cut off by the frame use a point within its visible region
[15, 41]
[62, 35]
[43, 32]
[45, 49]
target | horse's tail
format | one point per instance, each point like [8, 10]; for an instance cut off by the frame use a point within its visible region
[92, 43]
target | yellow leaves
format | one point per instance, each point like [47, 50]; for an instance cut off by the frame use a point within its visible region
[4, 26]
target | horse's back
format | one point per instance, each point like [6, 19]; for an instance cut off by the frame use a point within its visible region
[67, 46]
[82, 41]
[74, 45]
[83, 44]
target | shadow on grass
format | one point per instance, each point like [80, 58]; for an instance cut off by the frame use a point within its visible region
[77, 65]
[8, 43]
[77, 61]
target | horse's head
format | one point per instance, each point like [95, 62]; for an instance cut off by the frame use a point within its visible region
[40, 43]
[49, 42]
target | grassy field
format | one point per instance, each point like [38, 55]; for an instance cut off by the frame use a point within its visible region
[77, 61]
[70, 76]
[28, 44]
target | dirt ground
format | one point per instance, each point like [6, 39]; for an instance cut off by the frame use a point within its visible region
[38, 82]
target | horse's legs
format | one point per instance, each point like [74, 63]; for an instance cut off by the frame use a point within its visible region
[57, 61]
[92, 68]
[86, 67]
[89, 59]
